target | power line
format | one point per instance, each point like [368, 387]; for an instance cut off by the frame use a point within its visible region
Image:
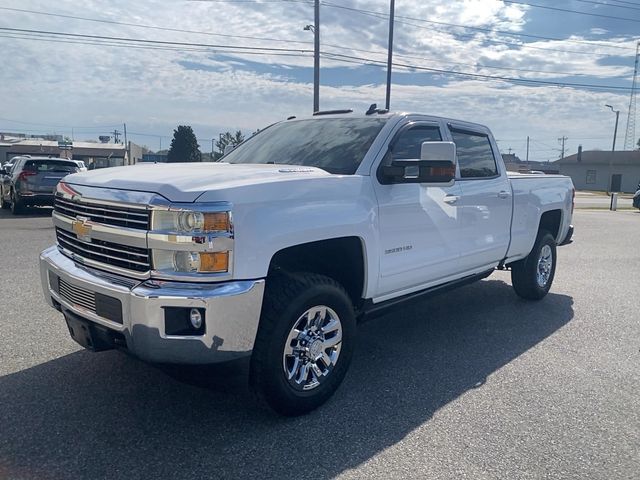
[604, 4]
[56, 126]
[354, 59]
[335, 56]
[482, 29]
[567, 10]
[362, 11]
[46, 38]
[153, 27]
[154, 42]
[39, 37]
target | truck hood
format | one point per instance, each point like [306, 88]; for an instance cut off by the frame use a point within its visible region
[185, 182]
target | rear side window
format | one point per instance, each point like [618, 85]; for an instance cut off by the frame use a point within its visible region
[50, 166]
[475, 155]
[409, 143]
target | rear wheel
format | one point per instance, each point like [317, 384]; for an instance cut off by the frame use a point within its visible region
[304, 344]
[532, 276]
[17, 207]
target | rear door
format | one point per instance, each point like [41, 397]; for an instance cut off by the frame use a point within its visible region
[486, 200]
[418, 225]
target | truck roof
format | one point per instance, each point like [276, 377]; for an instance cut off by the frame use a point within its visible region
[389, 116]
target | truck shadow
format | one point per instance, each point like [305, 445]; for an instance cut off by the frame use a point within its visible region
[107, 415]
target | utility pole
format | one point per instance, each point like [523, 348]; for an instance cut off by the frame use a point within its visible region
[528, 153]
[613, 148]
[316, 56]
[126, 144]
[392, 9]
[116, 136]
[562, 139]
[630, 133]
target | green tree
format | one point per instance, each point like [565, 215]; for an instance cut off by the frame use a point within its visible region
[184, 146]
[229, 138]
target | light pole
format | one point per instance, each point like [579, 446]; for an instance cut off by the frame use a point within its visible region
[613, 148]
[392, 8]
[315, 28]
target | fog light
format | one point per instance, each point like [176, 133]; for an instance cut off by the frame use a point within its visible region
[196, 318]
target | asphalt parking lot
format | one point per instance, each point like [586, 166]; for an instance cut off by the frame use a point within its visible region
[475, 383]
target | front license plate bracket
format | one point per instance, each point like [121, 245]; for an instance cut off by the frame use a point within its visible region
[88, 334]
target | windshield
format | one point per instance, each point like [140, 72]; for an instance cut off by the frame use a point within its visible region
[336, 145]
[50, 166]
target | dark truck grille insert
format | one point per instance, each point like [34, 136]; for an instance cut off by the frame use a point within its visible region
[102, 305]
[137, 218]
[115, 254]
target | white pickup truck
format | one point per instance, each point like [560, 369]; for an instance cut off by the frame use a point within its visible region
[300, 232]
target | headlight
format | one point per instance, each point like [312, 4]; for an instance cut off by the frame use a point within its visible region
[188, 221]
[190, 262]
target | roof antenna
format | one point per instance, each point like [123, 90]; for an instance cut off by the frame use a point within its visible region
[373, 108]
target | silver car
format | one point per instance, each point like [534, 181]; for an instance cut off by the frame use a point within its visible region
[32, 181]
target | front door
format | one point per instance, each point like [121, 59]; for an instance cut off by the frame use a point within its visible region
[418, 225]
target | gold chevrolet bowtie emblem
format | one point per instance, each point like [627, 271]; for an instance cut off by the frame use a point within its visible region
[82, 229]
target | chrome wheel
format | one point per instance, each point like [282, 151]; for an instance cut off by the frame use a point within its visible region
[312, 348]
[545, 264]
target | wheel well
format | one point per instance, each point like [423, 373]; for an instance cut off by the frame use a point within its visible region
[339, 258]
[550, 221]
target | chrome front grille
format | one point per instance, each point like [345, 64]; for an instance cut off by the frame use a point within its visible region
[114, 254]
[138, 218]
[77, 296]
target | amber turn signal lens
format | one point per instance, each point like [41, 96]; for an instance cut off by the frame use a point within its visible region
[218, 221]
[214, 262]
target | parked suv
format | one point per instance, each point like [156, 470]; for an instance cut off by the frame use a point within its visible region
[32, 181]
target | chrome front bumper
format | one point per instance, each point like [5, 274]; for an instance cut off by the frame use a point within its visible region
[232, 311]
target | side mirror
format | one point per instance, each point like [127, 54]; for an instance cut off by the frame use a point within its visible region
[436, 166]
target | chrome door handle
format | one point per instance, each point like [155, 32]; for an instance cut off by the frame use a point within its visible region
[504, 194]
[451, 199]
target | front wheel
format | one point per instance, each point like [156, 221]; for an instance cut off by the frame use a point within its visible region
[304, 343]
[532, 276]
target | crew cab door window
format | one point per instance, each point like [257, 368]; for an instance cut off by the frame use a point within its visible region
[409, 143]
[475, 155]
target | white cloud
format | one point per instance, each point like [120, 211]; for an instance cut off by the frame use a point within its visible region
[152, 90]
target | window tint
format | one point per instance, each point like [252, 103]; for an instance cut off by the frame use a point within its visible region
[50, 166]
[409, 143]
[336, 145]
[475, 155]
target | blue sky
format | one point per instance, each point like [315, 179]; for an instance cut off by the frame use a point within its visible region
[52, 86]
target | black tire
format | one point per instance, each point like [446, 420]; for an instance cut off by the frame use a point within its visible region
[17, 207]
[3, 205]
[524, 273]
[287, 298]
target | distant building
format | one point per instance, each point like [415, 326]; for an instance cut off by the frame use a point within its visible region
[590, 170]
[514, 164]
[154, 157]
[94, 154]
